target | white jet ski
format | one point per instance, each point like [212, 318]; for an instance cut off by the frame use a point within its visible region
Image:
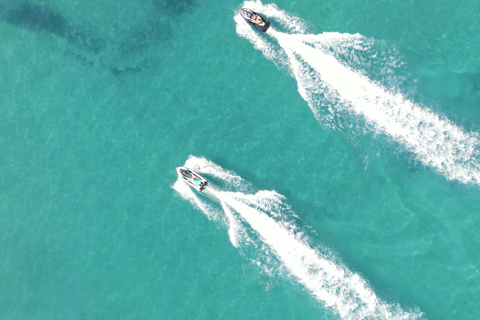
[192, 178]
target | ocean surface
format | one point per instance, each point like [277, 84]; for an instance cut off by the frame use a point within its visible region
[342, 149]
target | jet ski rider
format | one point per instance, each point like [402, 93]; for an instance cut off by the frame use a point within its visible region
[256, 19]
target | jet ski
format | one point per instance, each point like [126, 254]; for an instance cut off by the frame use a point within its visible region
[192, 178]
[255, 19]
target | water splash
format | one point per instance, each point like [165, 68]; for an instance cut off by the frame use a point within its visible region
[335, 88]
[263, 222]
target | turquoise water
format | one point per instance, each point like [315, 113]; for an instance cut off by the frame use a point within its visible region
[101, 101]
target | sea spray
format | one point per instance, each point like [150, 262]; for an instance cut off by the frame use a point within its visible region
[262, 221]
[334, 89]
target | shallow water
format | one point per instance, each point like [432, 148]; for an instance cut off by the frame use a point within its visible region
[101, 101]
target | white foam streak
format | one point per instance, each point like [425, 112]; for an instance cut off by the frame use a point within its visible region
[438, 143]
[335, 286]
[435, 141]
[187, 193]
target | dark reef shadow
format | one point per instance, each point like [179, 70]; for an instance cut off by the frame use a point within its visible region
[38, 18]
[89, 46]
[174, 7]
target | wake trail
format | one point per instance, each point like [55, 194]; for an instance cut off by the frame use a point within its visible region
[438, 143]
[347, 293]
[263, 214]
[321, 76]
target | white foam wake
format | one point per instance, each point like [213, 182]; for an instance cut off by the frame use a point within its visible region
[264, 214]
[323, 79]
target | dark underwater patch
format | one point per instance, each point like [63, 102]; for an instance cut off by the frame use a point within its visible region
[140, 39]
[174, 7]
[118, 72]
[474, 79]
[38, 18]
[129, 52]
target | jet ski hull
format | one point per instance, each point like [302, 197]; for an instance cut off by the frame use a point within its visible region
[192, 178]
[247, 14]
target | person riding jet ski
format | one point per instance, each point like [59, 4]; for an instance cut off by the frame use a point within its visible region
[192, 178]
[255, 19]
